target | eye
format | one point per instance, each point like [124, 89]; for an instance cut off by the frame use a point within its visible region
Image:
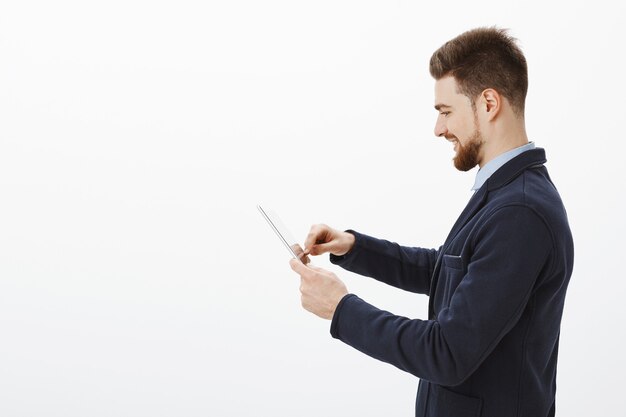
[444, 113]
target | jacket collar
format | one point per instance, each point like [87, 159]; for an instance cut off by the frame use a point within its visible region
[507, 173]
[512, 169]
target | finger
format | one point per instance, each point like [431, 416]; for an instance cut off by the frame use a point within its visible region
[311, 237]
[297, 249]
[316, 234]
[298, 266]
[320, 249]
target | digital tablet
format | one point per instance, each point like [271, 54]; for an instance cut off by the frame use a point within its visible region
[282, 232]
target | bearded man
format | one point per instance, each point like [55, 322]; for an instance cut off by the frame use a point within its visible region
[497, 285]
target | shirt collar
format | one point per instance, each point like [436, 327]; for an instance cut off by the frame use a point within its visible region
[492, 166]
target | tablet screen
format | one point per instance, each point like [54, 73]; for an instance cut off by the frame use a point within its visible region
[282, 232]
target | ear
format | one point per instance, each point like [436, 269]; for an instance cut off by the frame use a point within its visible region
[490, 102]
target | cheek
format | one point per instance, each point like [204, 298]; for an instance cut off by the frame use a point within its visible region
[453, 128]
[461, 130]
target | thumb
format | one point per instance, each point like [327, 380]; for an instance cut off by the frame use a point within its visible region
[298, 266]
[320, 248]
[315, 268]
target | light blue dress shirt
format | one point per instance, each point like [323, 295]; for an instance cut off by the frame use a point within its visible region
[492, 166]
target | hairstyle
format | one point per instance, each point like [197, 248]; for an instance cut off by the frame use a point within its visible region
[484, 58]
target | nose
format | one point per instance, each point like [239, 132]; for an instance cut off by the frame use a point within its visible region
[440, 127]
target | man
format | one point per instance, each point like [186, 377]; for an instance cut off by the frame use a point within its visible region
[497, 285]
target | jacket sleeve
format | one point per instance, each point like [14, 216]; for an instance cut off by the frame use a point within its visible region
[510, 251]
[403, 267]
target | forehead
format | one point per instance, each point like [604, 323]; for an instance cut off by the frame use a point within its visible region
[446, 91]
[447, 95]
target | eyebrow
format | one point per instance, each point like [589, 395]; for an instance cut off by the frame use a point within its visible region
[440, 106]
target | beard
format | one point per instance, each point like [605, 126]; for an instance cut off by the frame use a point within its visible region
[468, 156]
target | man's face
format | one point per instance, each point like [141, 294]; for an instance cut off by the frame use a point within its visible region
[457, 122]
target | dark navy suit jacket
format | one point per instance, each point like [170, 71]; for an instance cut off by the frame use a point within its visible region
[497, 289]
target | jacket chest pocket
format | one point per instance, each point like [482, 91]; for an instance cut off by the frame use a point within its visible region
[451, 274]
[453, 262]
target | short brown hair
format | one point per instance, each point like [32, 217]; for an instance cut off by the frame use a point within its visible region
[484, 58]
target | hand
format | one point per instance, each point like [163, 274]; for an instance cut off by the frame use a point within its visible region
[297, 249]
[322, 239]
[321, 290]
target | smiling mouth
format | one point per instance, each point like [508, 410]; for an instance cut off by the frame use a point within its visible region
[454, 141]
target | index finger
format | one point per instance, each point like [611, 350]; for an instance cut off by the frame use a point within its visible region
[317, 233]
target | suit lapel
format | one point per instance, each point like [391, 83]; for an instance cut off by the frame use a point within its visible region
[473, 205]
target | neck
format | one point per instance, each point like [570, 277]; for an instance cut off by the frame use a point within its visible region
[502, 140]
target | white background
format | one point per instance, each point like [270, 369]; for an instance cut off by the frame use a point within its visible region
[136, 138]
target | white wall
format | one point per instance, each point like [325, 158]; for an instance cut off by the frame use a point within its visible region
[136, 138]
